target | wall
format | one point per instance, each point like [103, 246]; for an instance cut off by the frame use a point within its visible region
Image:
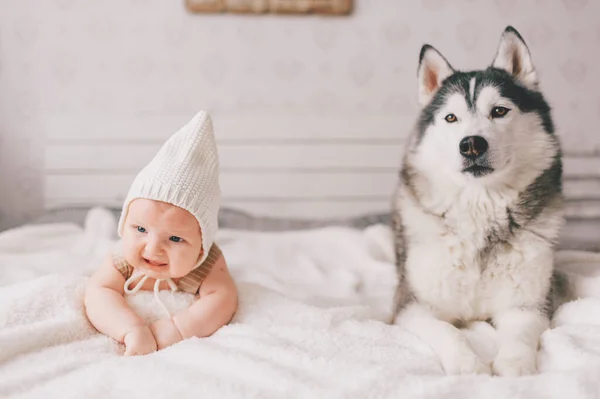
[310, 112]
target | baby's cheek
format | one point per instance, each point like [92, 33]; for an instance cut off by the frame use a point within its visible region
[182, 265]
[129, 255]
[130, 246]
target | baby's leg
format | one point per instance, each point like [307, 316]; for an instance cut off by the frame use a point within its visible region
[447, 342]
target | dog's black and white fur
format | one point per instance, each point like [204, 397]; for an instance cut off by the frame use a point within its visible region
[478, 209]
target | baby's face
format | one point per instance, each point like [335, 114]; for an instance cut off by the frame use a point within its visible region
[161, 239]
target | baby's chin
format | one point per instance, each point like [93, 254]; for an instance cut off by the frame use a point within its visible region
[156, 274]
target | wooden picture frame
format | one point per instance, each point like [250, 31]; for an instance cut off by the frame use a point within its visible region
[307, 7]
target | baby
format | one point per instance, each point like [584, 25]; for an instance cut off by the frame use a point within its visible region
[167, 228]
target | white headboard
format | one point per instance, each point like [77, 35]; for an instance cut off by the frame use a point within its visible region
[315, 167]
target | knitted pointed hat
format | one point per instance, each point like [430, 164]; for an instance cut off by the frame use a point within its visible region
[184, 173]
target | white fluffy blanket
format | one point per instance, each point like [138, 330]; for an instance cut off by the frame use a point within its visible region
[312, 323]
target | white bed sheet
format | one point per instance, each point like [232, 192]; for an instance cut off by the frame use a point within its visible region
[312, 323]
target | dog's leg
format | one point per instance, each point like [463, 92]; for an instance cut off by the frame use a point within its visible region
[447, 342]
[519, 332]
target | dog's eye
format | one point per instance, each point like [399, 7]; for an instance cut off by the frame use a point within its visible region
[499, 112]
[450, 118]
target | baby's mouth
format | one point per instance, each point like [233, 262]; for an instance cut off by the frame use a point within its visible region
[154, 263]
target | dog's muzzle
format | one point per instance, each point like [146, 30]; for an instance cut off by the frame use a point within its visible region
[475, 156]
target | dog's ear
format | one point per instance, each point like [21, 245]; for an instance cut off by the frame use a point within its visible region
[513, 56]
[433, 69]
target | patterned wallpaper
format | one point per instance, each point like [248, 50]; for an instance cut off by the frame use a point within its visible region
[81, 61]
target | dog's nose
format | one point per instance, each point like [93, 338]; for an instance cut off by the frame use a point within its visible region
[473, 146]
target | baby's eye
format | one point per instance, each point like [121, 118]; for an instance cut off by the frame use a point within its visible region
[176, 239]
[141, 229]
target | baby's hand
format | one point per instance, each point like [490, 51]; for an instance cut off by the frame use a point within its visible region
[139, 341]
[165, 332]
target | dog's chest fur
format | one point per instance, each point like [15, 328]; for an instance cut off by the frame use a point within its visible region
[469, 262]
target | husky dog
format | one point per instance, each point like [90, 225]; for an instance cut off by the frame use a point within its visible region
[478, 209]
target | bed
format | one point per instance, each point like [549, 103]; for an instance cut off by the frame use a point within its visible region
[314, 319]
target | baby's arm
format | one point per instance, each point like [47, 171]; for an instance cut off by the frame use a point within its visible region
[216, 306]
[107, 310]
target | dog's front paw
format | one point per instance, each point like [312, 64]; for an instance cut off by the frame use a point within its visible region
[465, 361]
[515, 360]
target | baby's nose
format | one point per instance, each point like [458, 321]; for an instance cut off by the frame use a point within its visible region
[154, 247]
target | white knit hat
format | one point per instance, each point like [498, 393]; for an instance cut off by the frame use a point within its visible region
[185, 173]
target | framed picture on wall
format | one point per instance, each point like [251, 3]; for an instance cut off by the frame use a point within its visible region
[325, 7]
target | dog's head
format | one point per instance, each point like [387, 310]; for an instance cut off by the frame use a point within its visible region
[483, 125]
